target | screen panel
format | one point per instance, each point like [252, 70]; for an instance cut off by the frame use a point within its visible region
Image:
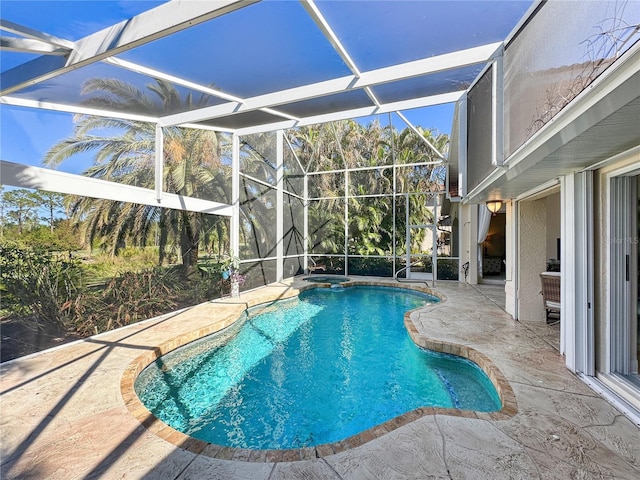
[257, 220]
[326, 226]
[197, 163]
[370, 226]
[552, 60]
[293, 172]
[275, 42]
[326, 185]
[258, 274]
[373, 266]
[293, 266]
[454, 80]
[371, 182]
[258, 156]
[479, 131]
[293, 224]
[108, 87]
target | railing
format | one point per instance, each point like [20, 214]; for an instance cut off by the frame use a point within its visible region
[408, 280]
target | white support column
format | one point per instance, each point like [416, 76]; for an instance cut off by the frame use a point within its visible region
[394, 234]
[472, 235]
[584, 267]
[463, 234]
[407, 235]
[235, 194]
[159, 162]
[279, 205]
[511, 242]
[568, 268]
[497, 92]
[462, 147]
[305, 223]
[434, 249]
[346, 221]
[576, 252]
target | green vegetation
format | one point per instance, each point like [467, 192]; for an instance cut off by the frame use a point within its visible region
[88, 265]
[55, 292]
[50, 284]
[37, 283]
[124, 153]
[349, 144]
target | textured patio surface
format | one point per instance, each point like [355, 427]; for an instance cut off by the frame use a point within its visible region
[63, 415]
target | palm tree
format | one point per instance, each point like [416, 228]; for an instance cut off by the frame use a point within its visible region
[124, 152]
[350, 144]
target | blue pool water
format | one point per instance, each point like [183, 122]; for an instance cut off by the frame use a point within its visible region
[307, 371]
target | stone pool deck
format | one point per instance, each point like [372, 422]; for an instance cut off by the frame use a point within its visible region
[66, 413]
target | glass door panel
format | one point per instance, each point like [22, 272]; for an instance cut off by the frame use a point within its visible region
[625, 271]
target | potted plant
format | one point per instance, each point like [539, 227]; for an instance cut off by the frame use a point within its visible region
[237, 280]
[230, 270]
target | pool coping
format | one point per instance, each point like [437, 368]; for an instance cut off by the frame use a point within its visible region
[156, 426]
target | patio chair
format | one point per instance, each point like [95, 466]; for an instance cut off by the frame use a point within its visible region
[551, 295]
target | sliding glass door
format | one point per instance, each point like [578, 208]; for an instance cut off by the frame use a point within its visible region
[623, 283]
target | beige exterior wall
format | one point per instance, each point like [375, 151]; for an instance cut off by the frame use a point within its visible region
[553, 225]
[532, 258]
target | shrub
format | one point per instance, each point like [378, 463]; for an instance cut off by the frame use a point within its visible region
[126, 298]
[44, 291]
[447, 269]
[37, 284]
[381, 267]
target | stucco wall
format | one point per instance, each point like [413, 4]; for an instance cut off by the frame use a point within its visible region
[553, 225]
[532, 258]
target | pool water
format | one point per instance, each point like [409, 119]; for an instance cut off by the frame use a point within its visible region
[311, 370]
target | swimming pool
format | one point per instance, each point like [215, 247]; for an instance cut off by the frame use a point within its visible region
[307, 371]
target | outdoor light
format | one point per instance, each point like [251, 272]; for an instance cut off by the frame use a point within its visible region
[494, 206]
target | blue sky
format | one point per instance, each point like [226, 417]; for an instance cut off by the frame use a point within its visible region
[26, 134]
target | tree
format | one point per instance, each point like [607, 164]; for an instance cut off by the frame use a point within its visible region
[124, 153]
[20, 208]
[53, 202]
[343, 144]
